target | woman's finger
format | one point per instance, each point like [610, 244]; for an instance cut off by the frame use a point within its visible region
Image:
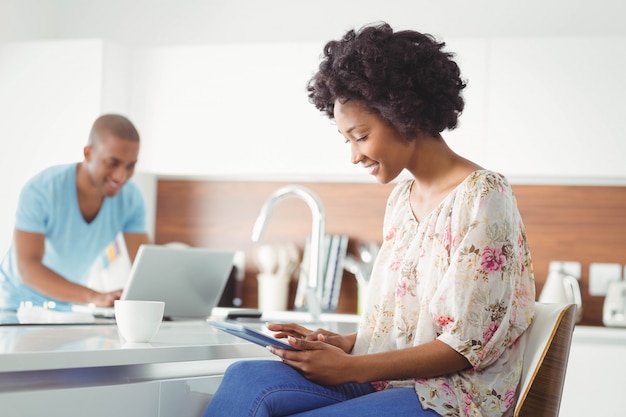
[292, 327]
[288, 329]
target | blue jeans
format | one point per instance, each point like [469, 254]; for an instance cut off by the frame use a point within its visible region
[273, 389]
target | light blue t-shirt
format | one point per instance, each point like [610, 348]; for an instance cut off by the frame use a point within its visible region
[48, 204]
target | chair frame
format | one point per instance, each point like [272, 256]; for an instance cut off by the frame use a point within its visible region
[548, 341]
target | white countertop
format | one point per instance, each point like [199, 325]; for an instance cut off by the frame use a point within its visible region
[44, 357]
[599, 335]
[48, 347]
[71, 346]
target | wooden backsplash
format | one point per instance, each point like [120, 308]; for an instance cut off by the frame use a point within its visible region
[569, 223]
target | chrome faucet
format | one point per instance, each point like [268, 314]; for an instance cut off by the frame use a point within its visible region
[314, 274]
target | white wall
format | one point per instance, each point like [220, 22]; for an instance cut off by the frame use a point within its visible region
[180, 22]
[50, 93]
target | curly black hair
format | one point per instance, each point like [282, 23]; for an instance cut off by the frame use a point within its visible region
[403, 76]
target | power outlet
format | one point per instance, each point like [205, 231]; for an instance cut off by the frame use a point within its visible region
[601, 275]
[567, 267]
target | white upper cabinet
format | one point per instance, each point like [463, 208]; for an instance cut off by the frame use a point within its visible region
[537, 109]
[541, 110]
[555, 107]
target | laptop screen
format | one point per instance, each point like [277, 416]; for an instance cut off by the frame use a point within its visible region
[190, 280]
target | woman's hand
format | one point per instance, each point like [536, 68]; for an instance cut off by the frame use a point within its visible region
[296, 331]
[318, 361]
[322, 356]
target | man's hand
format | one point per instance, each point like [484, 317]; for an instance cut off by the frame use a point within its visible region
[106, 299]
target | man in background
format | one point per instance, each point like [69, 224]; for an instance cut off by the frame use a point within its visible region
[66, 217]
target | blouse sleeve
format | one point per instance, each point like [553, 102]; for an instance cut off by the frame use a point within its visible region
[484, 300]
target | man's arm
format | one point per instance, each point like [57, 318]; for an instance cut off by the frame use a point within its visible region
[133, 241]
[29, 250]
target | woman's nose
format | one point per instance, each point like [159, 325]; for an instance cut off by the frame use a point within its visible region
[355, 155]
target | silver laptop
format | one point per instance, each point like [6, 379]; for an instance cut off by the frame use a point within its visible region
[190, 280]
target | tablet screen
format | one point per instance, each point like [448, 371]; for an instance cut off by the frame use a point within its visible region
[250, 335]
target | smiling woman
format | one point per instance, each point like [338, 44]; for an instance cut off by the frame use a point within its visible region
[451, 289]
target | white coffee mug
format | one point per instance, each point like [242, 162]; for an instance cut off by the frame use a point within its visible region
[138, 321]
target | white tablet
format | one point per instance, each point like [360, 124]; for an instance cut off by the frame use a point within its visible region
[250, 335]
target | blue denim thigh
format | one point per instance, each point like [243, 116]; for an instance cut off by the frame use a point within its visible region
[394, 402]
[272, 389]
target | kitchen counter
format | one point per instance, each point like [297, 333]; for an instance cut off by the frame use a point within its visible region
[47, 347]
[66, 369]
[594, 381]
[598, 334]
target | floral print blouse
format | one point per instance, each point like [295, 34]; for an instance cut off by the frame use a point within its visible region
[462, 275]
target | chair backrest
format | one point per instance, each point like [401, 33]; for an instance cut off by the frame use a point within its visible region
[548, 341]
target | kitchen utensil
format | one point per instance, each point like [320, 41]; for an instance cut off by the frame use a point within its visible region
[137, 320]
[288, 258]
[266, 259]
[614, 308]
[562, 288]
